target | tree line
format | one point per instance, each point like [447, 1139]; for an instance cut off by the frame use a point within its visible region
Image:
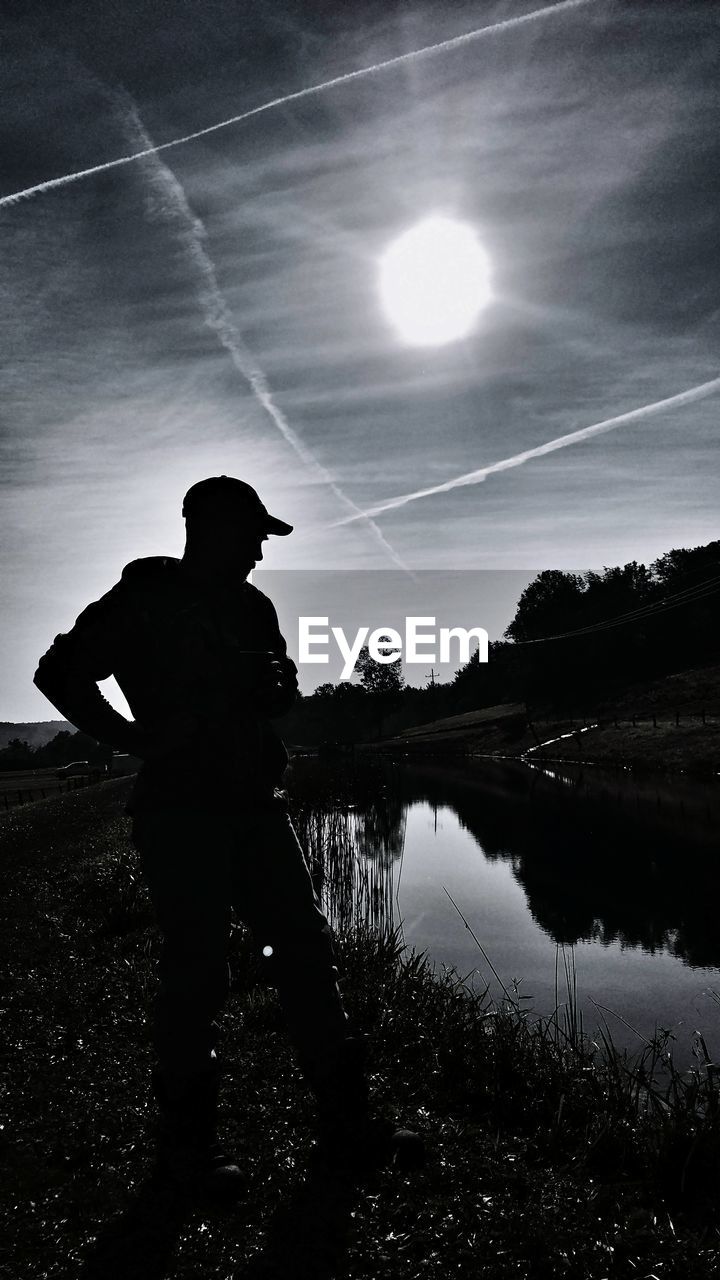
[575, 638]
[64, 748]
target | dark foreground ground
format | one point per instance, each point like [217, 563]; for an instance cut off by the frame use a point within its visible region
[545, 1158]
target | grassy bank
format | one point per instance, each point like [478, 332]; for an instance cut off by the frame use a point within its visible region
[666, 725]
[659, 746]
[547, 1156]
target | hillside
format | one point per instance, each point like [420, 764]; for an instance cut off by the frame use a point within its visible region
[35, 732]
[668, 724]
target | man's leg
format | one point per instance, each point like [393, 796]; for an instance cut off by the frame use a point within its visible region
[274, 894]
[185, 859]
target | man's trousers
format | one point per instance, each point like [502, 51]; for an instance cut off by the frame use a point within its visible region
[199, 865]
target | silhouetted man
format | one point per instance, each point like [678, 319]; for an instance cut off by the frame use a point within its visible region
[198, 654]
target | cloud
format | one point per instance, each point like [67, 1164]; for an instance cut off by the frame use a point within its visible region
[443, 46]
[678, 401]
[191, 232]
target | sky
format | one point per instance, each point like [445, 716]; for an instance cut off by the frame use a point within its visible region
[214, 307]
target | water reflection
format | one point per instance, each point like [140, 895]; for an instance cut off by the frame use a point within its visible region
[602, 857]
[353, 847]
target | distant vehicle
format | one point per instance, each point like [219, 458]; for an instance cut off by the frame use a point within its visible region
[123, 764]
[72, 770]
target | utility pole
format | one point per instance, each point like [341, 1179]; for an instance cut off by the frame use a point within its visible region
[433, 696]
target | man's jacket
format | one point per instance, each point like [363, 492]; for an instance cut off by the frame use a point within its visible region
[176, 645]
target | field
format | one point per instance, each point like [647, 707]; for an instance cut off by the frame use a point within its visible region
[547, 1157]
[21, 786]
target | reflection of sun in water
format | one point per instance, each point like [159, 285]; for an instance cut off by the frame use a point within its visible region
[434, 282]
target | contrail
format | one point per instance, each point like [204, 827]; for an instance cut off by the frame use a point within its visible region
[443, 46]
[192, 235]
[561, 442]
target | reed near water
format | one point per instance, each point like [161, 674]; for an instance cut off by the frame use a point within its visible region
[352, 867]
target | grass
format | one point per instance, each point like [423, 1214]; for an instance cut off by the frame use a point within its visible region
[690, 747]
[550, 1154]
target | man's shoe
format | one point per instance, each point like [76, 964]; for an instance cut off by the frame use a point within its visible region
[367, 1149]
[350, 1140]
[208, 1174]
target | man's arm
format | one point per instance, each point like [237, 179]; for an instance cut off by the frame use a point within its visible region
[283, 686]
[68, 673]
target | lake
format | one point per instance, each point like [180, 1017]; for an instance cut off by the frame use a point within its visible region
[615, 873]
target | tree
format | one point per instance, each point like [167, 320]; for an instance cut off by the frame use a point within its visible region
[16, 755]
[552, 603]
[482, 684]
[383, 681]
[379, 677]
[66, 747]
[686, 566]
[324, 691]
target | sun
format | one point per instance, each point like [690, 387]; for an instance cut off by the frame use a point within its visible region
[434, 282]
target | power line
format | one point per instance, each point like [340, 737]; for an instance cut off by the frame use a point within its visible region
[688, 595]
[641, 615]
[646, 610]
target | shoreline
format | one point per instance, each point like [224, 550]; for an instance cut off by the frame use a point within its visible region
[688, 751]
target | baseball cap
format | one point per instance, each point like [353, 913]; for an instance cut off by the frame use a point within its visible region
[217, 494]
